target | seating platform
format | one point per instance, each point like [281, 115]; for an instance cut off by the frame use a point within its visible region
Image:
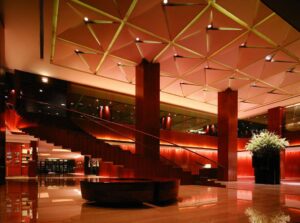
[123, 191]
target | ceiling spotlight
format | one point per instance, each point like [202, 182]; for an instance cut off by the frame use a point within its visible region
[45, 79]
[243, 45]
[268, 58]
[41, 90]
[167, 3]
[137, 40]
[86, 19]
[210, 26]
[77, 51]
[119, 64]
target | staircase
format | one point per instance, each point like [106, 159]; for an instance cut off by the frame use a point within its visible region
[79, 141]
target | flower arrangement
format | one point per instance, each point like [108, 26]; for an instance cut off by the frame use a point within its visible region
[258, 217]
[265, 141]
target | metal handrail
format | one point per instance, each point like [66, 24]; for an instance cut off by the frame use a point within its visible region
[123, 126]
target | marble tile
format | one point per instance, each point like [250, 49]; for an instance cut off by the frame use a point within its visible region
[58, 199]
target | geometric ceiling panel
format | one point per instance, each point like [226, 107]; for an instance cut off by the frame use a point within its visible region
[252, 90]
[148, 45]
[75, 57]
[244, 105]
[111, 7]
[283, 33]
[165, 81]
[118, 69]
[220, 31]
[125, 44]
[202, 46]
[66, 10]
[254, 69]
[278, 62]
[215, 72]
[294, 48]
[185, 12]
[234, 82]
[197, 76]
[292, 89]
[176, 61]
[204, 95]
[253, 50]
[250, 11]
[268, 98]
[175, 88]
[145, 10]
[188, 88]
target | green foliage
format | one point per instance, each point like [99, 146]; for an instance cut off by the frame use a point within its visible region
[266, 140]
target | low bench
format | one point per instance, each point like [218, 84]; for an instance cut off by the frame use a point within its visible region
[130, 191]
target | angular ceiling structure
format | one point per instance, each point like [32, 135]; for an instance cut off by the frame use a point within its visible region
[203, 47]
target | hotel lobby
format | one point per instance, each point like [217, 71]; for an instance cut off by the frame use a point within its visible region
[148, 111]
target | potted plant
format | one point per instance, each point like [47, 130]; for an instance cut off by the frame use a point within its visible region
[265, 148]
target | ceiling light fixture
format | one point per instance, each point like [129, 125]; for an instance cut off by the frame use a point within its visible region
[119, 64]
[211, 27]
[167, 3]
[138, 40]
[244, 45]
[77, 51]
[269, 58]
[293, 70]
[257, 86]
[239, 78]
[176, 56]
[45, 79]
[273, 92]
[88, 21]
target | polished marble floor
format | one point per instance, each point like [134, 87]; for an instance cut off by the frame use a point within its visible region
[58, 199]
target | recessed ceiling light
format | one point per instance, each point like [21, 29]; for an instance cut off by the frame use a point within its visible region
[45, 79]
[243, 45]
[41, 90]
[137, 39]
[165, 2]
[268, 58]
[209, 26]
[86, 19]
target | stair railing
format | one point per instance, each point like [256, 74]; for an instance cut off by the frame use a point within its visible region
[98, 120]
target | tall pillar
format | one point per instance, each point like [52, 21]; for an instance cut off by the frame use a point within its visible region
[227, 134]
[147, 110]
[33, 163]
[2, 129]
[275, 124]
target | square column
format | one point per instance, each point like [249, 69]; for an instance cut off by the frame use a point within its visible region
[227, 134]
[2, 131]
[275, 124]
[147, 111]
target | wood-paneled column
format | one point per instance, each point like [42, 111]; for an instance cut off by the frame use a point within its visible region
[33, 164]
[275, 124]
[2, 136]
[147, 110]
[227, 134]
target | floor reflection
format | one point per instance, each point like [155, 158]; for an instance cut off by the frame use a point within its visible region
[58, 199]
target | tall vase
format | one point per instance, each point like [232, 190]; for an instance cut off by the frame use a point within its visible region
[266, 166]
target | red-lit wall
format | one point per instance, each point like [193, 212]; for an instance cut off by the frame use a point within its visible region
[15, 166]
[292, 166]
